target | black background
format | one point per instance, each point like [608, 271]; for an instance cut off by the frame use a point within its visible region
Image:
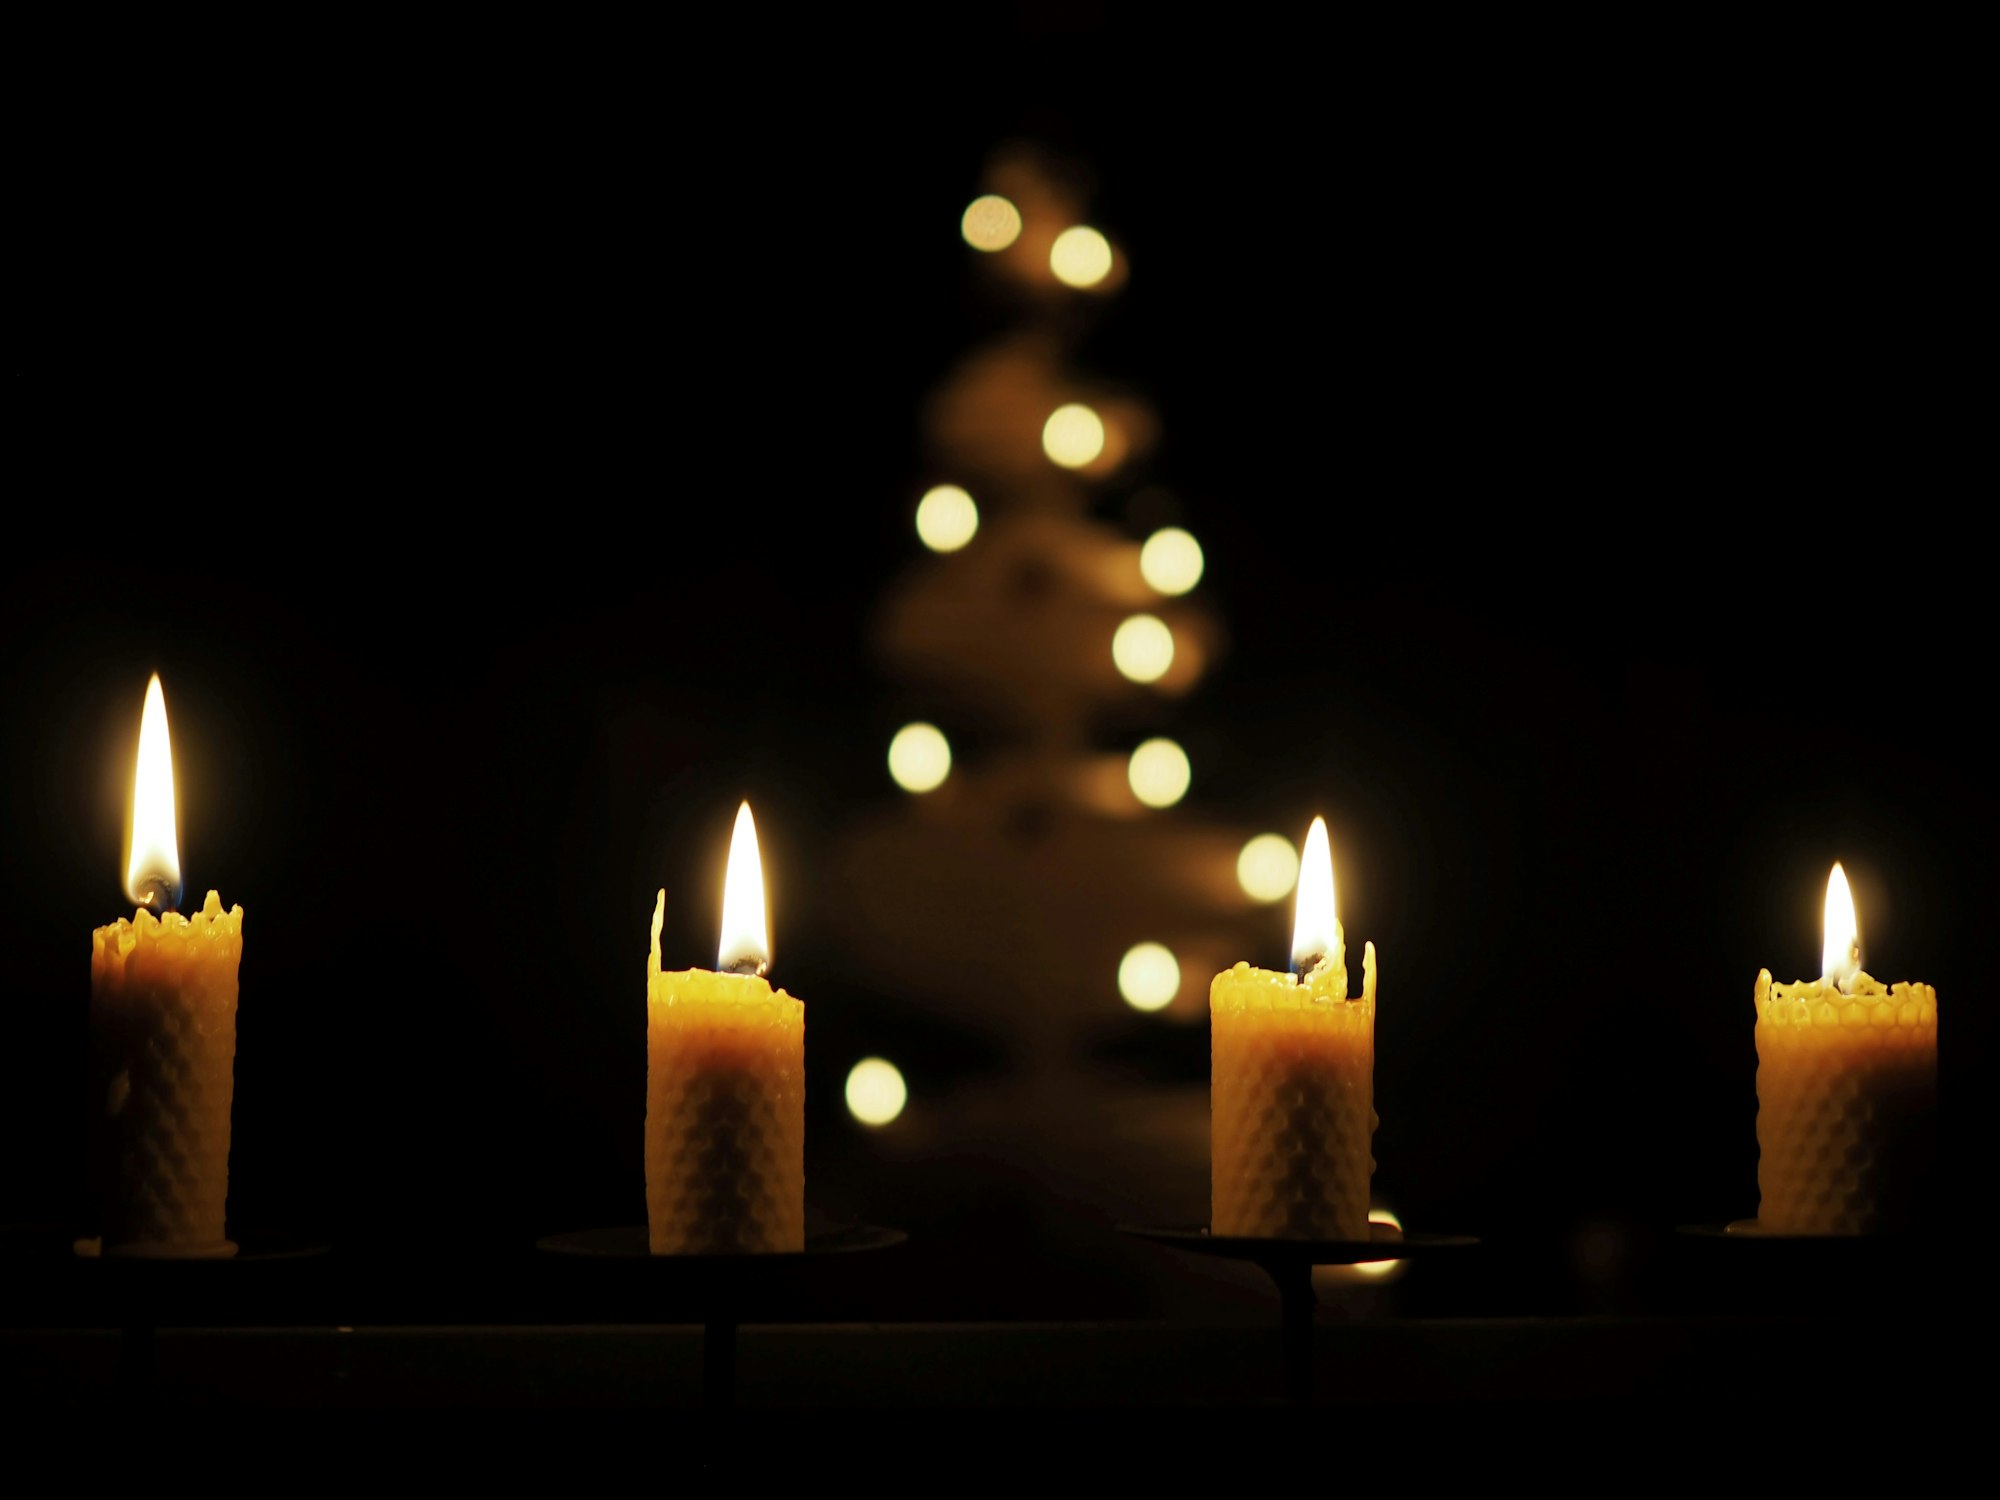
[500, 456]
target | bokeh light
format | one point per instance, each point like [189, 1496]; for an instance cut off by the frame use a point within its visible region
[946, 518]
[1376, 1270]
[1268, 867]
[1159, 773]
[876, 1092]
[990, 223]
[1080, 257]
[1073, 436]
[919, 757]
[1171, 561]
[1143, 648]
[1149, 976]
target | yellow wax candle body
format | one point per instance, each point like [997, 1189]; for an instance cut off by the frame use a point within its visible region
[1291, 1103]
[725, 1112]
[163, 1039]
[1846, 1104]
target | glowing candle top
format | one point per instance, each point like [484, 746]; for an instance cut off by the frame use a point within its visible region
[153, 859]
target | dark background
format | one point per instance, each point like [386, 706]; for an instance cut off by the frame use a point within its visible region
[502, 463]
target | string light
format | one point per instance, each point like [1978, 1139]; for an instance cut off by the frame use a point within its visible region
[876, 1092]
[1149, 976]
[1171, 561]
[1159, 773]
[1080, 257]
[990, 223]
[946, 518]
[1073, 436]
[1268, 867]
[1143, 648]
[919, 757]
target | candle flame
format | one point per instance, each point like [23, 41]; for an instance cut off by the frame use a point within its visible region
[153, 856]
[1316, 935]
[1840, 952]
[746, 931]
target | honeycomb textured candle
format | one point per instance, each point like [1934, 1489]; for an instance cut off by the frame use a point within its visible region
[163, 1038]
[725, 1112]
[1291, 1103]
[1846, 1105]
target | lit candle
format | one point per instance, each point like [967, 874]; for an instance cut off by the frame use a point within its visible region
[1846, 1091]
[725, 1086]
[163, 1036]
[1291, 1084]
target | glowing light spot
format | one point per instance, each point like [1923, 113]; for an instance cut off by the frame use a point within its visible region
[1171, 561]
[1374, 1270]
[919, 758]
[876, 1092]
[1268, 867]
[1159, 773]
[1073, 436]
[946, 518]
[990, 223]
[1143, 648]
[1149, 976]
[1080, 257]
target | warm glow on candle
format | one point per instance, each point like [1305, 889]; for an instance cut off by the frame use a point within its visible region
[1840, 953]
[1316, 927]
[153, 861]
[746, 931]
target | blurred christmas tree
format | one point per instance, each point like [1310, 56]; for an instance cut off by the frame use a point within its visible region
[1044, 882]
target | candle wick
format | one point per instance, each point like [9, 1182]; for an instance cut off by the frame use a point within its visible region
[157, 896]
[748, 964]
[1305, 963]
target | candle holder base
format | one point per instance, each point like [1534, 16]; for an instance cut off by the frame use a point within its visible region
[1289, 1264]
[1744, 1268]
[1751, 1229]
[721, 1292]
[143, 1288]
[93, 1249]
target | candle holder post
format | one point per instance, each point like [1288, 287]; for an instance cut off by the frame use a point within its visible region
[1289, 1264]
[720, 1292]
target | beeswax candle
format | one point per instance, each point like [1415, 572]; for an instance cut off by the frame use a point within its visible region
[725, 1087]
[1291, 1083]
[1846, 1091]
[163, 1037]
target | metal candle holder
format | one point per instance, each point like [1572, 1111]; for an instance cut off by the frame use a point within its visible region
[144, 1291]
[720, 1290]
[1289, 1264]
